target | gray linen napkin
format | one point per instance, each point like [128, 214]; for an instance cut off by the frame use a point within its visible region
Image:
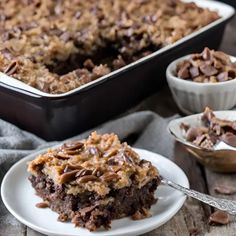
[141, 129]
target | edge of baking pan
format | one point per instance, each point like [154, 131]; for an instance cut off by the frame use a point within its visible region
[225, 11]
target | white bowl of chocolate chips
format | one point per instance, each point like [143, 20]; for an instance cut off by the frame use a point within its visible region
[203, 79]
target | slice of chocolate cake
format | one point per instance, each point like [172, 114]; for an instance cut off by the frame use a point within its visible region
[91, 182]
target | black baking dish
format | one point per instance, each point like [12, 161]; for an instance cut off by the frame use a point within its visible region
[55, 117]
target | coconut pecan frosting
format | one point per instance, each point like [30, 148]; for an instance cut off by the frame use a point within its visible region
[97, 164]
[57, 45]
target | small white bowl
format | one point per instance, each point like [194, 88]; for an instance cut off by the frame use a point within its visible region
[192, 97]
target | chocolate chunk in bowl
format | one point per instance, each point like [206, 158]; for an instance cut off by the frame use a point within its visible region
[203, 79]
[209, 66]
[101, 180]
[201, 133]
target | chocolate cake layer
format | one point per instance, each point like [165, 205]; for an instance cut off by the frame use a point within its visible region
[92, 181]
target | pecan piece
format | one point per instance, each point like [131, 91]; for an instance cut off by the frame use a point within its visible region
[68, 176]
[97, 172]
[72, 167]
[62, 155]
[11, 68]
[109, 176]
[72, 152]
[110, 152]
[83, 172]
[73, 145]
[69, 168]
[86, 178]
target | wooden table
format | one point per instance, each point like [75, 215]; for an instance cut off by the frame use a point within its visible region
[192, 219]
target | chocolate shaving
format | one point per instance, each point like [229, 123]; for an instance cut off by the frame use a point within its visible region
[219, 218]
[225, 190]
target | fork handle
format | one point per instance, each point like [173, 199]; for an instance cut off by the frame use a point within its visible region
[221, 204]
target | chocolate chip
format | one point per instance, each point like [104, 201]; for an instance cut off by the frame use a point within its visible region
[225, 59]
[206, 54]
[208, 70]
[222, 76]
[219, 218]
[194, 71]
[208, 67]
[183, 71]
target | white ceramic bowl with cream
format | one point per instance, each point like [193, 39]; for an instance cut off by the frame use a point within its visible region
[192, 97]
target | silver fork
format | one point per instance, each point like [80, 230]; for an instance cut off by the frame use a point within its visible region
[219, 203]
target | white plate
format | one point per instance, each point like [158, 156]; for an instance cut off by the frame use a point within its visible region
[19, 198]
